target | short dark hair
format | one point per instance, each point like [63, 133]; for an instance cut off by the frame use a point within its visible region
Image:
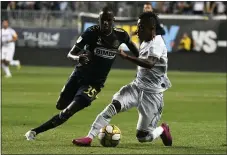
[107, 9]
[148, 3]
[151, 17]
[5, 19]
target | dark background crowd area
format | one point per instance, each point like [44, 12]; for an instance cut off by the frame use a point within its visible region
[120, 8]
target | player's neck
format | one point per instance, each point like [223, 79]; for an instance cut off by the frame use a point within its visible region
[149, 39]
[109, 33]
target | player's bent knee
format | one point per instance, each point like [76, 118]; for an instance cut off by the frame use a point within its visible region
[78, 103]
[143, 136]
[84, 102]
[117, 105]
[61, 105]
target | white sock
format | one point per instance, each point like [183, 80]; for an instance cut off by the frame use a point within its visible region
[102, 120]
[15, 63]
[99, 122]
[157, 132]
[6, 69]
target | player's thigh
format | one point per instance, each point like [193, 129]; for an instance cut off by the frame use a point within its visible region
[88, 92]
[3, 53]
[150, 110]
[68, 92]
[10, 53]
[127, 96]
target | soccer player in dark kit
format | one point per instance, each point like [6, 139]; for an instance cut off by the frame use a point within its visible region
[102, 42]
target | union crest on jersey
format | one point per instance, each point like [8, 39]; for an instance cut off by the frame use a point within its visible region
[105, 53]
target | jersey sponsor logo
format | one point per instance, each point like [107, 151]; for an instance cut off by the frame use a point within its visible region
[105, 53]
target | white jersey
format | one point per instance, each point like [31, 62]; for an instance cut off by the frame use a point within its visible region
[154, 80]
[7, 35]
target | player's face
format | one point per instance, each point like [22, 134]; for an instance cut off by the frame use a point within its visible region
[185, 35]
[147, 8]
[5, 24]
[106, 23]
[145, 32]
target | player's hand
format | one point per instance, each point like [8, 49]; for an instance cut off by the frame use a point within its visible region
[84, 59]
[123, 54]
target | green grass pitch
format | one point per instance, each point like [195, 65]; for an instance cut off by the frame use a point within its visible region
[195, 109]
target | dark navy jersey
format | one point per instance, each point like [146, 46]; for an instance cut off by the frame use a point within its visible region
[102, 52]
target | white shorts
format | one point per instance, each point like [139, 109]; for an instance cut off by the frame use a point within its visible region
[149, 105]
[7, 53]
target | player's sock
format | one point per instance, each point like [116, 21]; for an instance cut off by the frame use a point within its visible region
[50, 124]
[150, 136]
[15, 63]
[62, 117]
[157, 132]
[102, 120]
[6, 70]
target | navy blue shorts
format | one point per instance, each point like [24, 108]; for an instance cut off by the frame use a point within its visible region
[74, 88]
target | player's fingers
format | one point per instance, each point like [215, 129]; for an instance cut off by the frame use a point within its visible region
[122, 52]
[86, 60]
[118, 52]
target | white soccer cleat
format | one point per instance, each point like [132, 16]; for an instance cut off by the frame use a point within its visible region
[19, 66]
[30, 135]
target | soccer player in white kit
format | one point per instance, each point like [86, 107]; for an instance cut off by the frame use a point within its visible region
[145, 92]
[8, 38]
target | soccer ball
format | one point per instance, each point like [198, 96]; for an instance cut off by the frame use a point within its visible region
[109, 136]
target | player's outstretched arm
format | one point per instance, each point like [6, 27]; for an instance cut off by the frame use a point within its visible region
[146, 63]
[76, 49]
[132, 47]
[73, 55]
[84, 39]
[15, 37]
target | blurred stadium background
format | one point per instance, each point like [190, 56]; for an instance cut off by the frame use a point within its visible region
[65, 14]
[54, 27]
[195, 106]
